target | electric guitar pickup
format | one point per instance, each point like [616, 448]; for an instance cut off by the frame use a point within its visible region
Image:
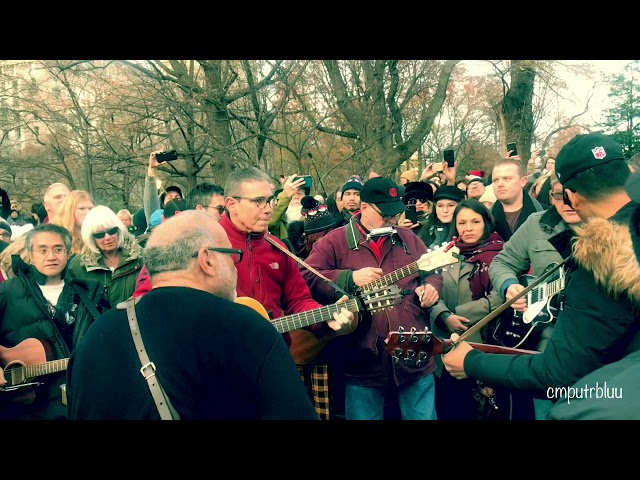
[518, 329]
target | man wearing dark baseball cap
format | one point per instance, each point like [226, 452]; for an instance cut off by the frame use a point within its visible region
[359, 254]
[384, 194]
[622, 376]
[598, 322]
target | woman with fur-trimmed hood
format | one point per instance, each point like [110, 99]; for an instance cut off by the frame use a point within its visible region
[110, 254]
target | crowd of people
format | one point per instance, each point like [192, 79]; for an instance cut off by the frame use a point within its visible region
[253, 297]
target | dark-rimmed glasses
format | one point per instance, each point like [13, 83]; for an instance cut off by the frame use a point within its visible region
[262, 202]
[236, 254]
[219, 208]
[99, 235]
[386, 218]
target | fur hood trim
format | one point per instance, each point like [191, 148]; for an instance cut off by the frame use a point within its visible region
[605, 249]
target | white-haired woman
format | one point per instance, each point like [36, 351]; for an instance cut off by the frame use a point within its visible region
[110, 254]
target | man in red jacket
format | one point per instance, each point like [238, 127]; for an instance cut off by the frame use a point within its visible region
[265, 273]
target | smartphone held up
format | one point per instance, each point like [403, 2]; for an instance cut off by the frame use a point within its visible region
[167, 156]
[511, 147]
[449, 156]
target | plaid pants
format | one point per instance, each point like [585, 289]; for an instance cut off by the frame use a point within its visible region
[316, 379]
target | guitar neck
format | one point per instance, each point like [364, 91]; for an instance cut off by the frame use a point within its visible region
[311, 317]
[53, 366]
[392, 277]
[501, 350]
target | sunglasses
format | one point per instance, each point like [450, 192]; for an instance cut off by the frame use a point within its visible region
[99, 235]
[557, 195]
[413, 201]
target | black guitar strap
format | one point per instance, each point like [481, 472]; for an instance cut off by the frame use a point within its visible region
[268, 238]
[88, 303]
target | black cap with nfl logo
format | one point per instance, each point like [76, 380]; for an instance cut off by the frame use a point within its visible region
[385, 194]
[584, 152]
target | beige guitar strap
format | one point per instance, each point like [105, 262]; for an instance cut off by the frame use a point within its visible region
[148, 370]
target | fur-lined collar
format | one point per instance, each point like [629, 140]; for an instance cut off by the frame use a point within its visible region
[131, 250]
[605, 249]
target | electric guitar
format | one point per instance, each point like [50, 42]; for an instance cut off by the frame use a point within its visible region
[305, 345]
[23, 363]
[308, 347]
[415, 347]
[517, 329]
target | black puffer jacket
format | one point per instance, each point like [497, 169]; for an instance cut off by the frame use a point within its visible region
[23, 314]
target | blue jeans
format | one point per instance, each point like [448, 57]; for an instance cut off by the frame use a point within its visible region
[416, 400]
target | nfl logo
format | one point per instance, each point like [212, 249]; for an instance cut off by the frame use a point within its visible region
[599, 153]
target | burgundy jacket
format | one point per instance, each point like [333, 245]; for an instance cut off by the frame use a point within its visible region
[336, 256]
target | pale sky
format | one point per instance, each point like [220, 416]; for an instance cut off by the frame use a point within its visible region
[579, 86]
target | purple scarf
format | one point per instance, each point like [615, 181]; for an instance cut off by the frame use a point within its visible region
[481, 254]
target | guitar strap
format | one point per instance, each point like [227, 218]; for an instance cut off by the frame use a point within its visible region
[163, 404]
[268, 238]
[88, 303]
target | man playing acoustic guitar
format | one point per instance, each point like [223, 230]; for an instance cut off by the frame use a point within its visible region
[353, 256]
[43, 317]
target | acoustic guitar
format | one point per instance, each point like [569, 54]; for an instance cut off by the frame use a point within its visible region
[305, 345]
[309, 345]
[23, 363]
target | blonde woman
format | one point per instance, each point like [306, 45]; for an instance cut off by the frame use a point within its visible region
[127, 218]
[110, 254]
[71, 215]
[15, 248]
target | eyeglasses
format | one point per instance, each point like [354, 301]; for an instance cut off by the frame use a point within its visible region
[262, 202]
[557, 195]
[220, 208]
[99, 235]
[413, 201]
[44, 250]
[235, 253]
[386, 218]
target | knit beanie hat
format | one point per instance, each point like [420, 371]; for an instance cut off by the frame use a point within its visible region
[354, 183]
[317, 216]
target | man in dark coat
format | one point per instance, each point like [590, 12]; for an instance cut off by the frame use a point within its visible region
[39, 303]
[600, 321]
[612, 391]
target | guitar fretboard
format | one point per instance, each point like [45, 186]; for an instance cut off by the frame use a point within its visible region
[392, 277]
[304, 319]
[546, 290]
[46, 368]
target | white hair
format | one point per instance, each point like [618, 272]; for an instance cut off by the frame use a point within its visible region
[99, 219]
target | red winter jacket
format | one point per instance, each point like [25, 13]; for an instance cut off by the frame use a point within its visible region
[269, 276]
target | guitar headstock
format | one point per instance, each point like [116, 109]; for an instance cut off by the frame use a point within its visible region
[439, 258]
[381, 299]
[413, 347]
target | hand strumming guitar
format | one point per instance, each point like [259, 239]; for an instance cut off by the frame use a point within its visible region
[521, 304]
[345, 320]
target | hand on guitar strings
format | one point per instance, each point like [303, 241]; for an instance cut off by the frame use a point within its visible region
[343, 320]
[521, 304]
[454, 360]
[427, 295]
